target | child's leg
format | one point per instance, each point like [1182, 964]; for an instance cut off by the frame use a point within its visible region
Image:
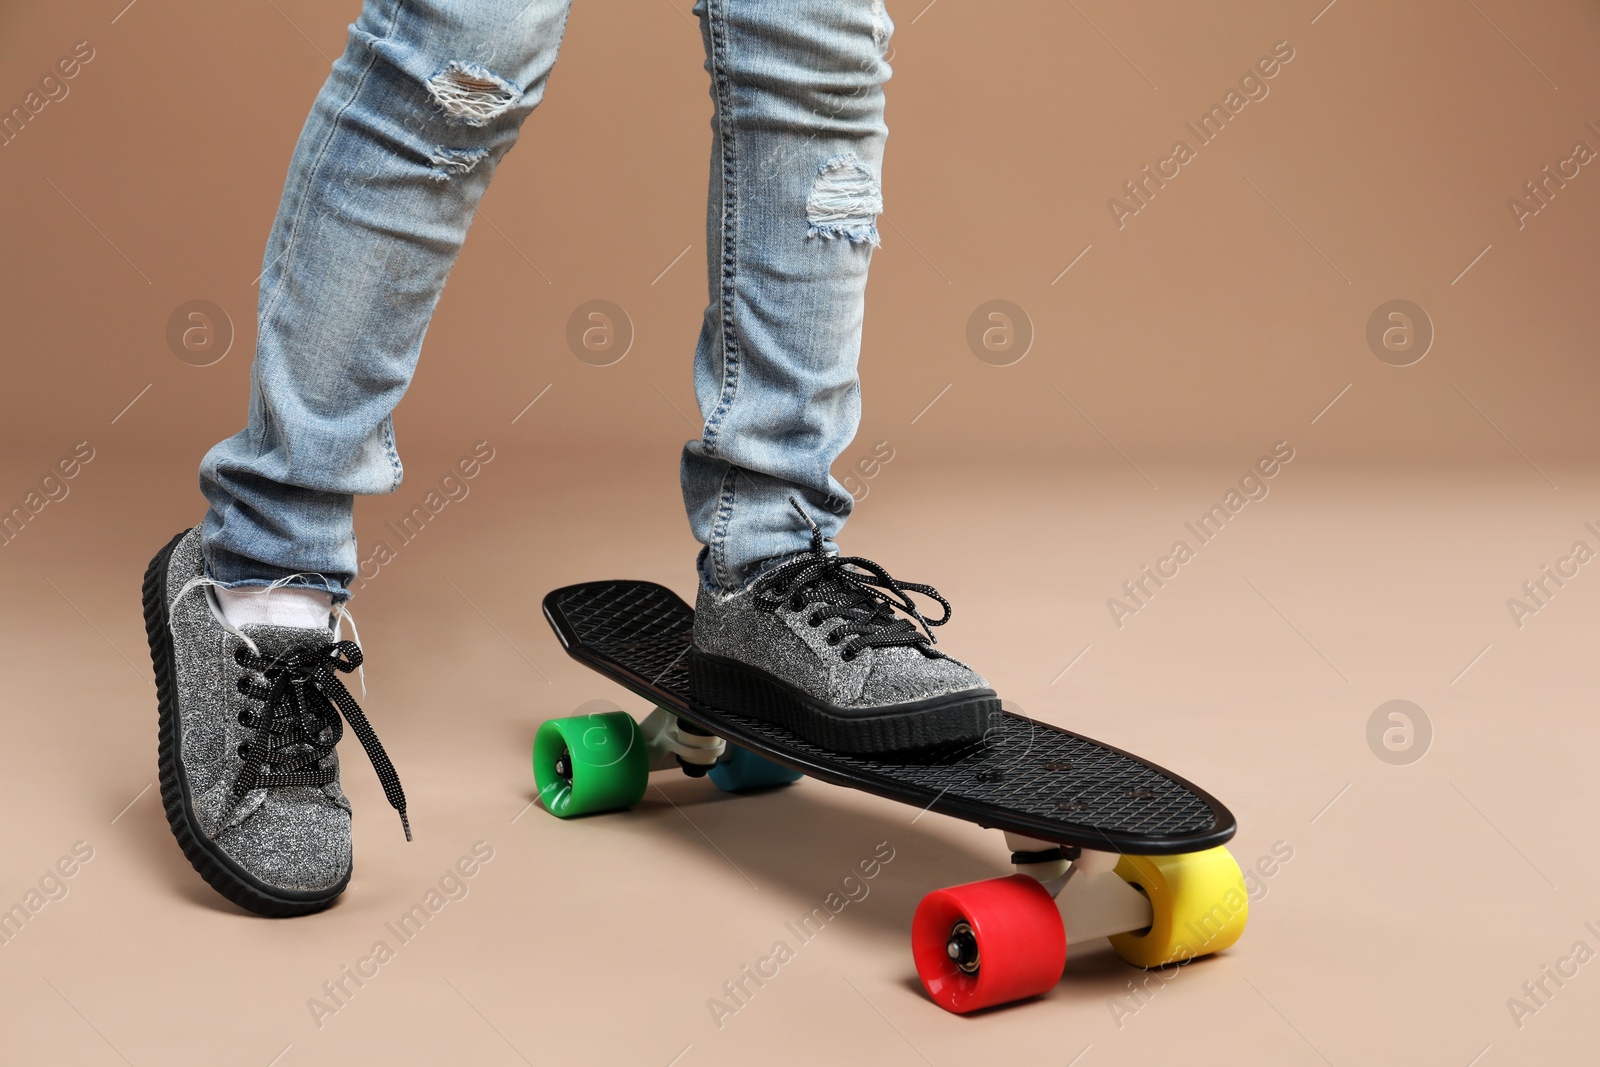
[394, 158]
[808, 642]
[797, 147]
[399, 147]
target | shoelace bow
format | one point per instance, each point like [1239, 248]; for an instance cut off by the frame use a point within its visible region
[857, 590]
[301, 700]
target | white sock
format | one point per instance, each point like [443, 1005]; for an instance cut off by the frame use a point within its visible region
[287, 605]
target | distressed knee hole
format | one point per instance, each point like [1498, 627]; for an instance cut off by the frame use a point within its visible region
[448, 162]
[471, 94]
[845, 201]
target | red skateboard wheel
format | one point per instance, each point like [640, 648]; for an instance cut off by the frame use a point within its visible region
[988, 943]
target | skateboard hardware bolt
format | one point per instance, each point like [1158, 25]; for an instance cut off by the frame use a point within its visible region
[564, 767]
[693, 770]
[1057, 765]
[963, 948]
[990, 774]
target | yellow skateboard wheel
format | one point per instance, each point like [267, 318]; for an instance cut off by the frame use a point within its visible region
[1198, 901]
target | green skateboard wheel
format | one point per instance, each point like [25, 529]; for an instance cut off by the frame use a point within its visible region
[590, 763]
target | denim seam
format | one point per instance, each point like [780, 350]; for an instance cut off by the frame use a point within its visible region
[719, 529]
[322, 151]
[328, 585]
[730, 215]
[299, 216]
[717, 33]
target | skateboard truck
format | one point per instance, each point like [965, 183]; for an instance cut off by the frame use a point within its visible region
[671, 741]
[1093, 899]
[1040, 859]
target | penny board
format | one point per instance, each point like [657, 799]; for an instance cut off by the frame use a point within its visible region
[1024, 776]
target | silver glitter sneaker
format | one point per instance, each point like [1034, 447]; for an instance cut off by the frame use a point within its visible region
[249, 718]
[814, 645]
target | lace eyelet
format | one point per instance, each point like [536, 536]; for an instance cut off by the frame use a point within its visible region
[245, 719]
[240, 656]
[814, 621]
[833, 640]
[848, 655]
[243, 750]
[243, 685]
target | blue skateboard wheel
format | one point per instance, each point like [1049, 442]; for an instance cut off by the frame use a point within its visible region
[740, 770]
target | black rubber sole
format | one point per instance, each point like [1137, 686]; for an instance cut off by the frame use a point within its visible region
[728, 685]
[220, 872]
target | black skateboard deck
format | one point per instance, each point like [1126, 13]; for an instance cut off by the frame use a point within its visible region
[1024, 776]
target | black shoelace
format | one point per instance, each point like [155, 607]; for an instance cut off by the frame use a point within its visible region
[854, 589]
[298, 724]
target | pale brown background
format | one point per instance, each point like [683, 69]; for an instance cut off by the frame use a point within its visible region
[1223, 318]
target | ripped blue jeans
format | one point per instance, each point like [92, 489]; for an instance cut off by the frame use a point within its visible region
[400, 146]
